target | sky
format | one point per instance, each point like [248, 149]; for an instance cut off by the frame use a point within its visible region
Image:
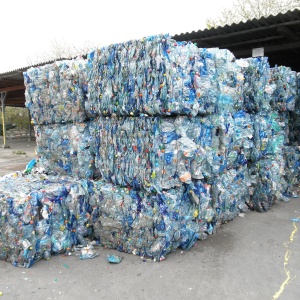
[29, 28]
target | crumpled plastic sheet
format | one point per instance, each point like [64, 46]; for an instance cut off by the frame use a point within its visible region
[156, 153]
[40, 216]
[256, 76]
[65, 149]
[282, 88]
[114, 259]
[268, 184]
[55, 93]
[159, 76]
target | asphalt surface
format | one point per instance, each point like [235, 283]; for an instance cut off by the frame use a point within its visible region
[252, 257]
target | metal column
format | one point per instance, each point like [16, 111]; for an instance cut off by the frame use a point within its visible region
[2, 98]
[29, 138]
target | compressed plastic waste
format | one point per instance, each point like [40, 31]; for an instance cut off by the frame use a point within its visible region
[294, 117]
[256, 76]
[47, 215]
[243, 138]
[224, 93]
[149, 225]
[156, 153]
[65, 149]
[180, 140]
[230, 193]
[55, 93]
[52, 214]
[282, 88]
[267, 183]
[269, 134]
[159, 76]
[221, 200]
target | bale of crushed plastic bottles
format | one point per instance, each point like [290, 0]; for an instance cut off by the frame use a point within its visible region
[40, 216]
[269, 134]
[55, 93]
[145, 224]
[268, 184]
[283, 88]
[65, 149]
[156, 153]
[255, 71]
[159, 76]
[292, 164]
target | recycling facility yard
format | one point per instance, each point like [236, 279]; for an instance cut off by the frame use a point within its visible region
[193, 142]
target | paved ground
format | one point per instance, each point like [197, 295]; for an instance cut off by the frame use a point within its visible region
[16, 157]
[252, 257]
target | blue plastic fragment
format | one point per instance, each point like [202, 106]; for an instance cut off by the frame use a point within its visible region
[295, 220]
[30, 166]
[113, 259]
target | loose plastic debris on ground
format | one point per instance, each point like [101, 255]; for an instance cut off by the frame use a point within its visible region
[114, 259]
[147, 146]
[295, 220]
[88, 253]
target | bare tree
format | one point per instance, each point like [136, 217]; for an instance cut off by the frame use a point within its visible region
[246, 10]
[59, 50]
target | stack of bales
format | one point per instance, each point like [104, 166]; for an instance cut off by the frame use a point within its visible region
[146, 146]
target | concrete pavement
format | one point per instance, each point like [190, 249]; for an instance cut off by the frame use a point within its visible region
[16, 157]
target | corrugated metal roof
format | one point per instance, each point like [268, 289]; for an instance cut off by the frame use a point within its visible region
[279, 35]
[24, 68]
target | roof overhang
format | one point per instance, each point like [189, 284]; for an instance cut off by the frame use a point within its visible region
[13, 84]
[279, 36]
